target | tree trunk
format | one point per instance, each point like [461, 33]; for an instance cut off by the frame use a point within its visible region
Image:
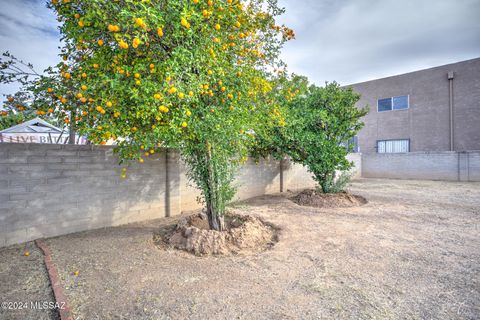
[71, 137]
[216, 221]
[215, 218]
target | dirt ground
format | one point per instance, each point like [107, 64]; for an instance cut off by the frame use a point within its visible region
[318, 199]
[411, 252]
[24, 280]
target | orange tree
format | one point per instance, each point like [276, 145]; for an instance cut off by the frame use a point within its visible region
[318, 123]
[179, 74]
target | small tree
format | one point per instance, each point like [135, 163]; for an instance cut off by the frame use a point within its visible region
[319, 122]
[182, 74]
[324, 121]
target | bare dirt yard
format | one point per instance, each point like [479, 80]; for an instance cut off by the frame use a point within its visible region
[411, 252]
[23, 281]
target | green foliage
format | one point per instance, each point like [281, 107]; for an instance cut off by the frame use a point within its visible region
[150, 74]
[29, 102]
[319, 121]
[13, 119]
[325, 120]
[337, 184]
[287, 93]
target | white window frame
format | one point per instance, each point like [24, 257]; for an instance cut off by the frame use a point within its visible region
[392, 140]
[391, 99]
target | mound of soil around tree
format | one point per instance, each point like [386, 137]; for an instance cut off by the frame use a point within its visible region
[314, 198]
[243, 234]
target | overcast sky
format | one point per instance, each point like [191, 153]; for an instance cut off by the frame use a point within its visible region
[344, 40]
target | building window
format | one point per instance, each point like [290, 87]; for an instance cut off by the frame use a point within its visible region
[393, 146]
[351, 145]
[393, 103]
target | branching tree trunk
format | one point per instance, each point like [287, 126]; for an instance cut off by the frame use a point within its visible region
[214, 200]
[212, 174]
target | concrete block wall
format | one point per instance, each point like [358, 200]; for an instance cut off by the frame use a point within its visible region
[442, 165]
[253, 179]
[49, 190]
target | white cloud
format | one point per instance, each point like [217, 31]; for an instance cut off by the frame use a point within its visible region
[357, 40]
[28, 29]
[343, 40]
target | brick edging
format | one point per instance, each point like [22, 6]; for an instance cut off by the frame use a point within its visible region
[65, 313]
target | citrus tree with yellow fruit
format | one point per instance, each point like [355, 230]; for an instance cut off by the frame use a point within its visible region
[184, 74]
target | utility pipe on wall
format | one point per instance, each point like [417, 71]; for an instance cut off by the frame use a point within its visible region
[450, 92]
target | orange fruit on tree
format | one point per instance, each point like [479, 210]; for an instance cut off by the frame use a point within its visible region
[140, 23]
[136, 43]
[160, 32]
[184, 23]
[123, 44]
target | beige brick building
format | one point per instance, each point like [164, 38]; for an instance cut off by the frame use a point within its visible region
[435, 109]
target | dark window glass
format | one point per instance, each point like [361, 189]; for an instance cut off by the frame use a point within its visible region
[400, 103]
[385, 104]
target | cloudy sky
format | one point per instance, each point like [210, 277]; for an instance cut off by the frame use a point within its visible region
[344, 40]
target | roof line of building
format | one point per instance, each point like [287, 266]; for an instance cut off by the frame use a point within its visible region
[406, 73]
[31, 122]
